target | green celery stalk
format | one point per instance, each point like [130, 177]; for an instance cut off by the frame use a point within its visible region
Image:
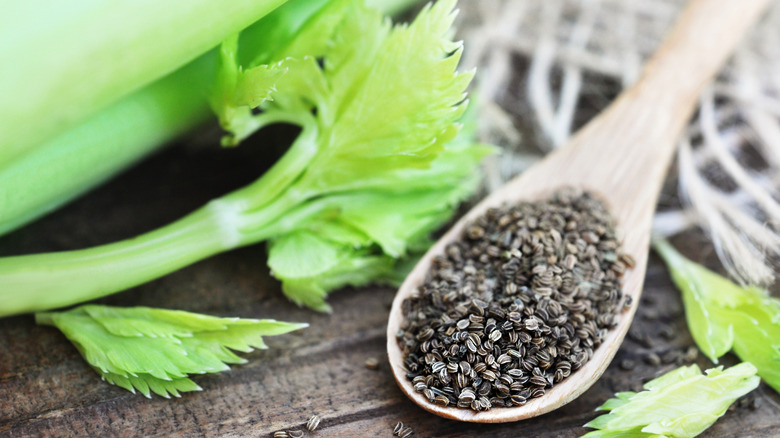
[56, 171]
[392, 7]
[63, 61]
[65, 167]
[47, 281]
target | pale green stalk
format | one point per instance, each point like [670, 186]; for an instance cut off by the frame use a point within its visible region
[46, 281]
[392, 7]
[65, 167]
[58, 170]
[63, 61]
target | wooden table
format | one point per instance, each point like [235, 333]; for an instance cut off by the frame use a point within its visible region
[47, 389]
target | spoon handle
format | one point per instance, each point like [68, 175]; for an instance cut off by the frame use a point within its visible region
[631, 143]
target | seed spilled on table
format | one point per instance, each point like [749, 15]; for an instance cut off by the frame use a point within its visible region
[515, 305]
[313, 422]
[372, 363]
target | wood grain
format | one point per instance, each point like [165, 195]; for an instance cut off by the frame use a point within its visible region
[46, 389]
[621, 156]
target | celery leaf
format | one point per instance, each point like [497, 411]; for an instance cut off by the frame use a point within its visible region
[682, 403]
[309, 266]
[722, 315]
[156, 350]
[383, 159]
[394, 97]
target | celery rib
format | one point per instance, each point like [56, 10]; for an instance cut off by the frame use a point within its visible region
[46, 281]
[56, 172]
[53, 173]
[63, 70]
[248, 215]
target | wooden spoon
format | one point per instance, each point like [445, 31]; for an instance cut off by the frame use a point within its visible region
[621, 156]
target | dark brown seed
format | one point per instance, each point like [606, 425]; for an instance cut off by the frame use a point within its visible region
[295, 434]
[627, 364]
[407, 432]
[501, 388]
[425, 334]
[313, 422]
[538, 381]
[652, 359]
[518, 400]
[398, 428]
[467, 396]
[489, 375]
[515, 372]
[281, 434]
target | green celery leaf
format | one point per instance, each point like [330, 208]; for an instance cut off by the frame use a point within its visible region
[680, 404]
[383, 158]
[146, 384]
[148, 349]
[230, 96]
[394, 97]
[387, 98]
[309, 266]
[284, 69]
[393, 221]
[399, 223]
[723, 316]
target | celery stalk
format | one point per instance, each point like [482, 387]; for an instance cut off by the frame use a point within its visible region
[65, 167]
[63, 61]
[46, 281]
[122, 264]
[117, 136]
[392, 7]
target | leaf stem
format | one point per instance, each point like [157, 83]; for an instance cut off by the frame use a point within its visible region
[86, 55]
[246, 216]
[47, 281]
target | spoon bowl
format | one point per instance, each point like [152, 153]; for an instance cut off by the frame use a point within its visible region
[621, 157]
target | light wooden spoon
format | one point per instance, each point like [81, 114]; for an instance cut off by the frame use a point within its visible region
[622, 156]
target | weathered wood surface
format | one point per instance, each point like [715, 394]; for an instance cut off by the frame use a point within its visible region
[46, 389]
